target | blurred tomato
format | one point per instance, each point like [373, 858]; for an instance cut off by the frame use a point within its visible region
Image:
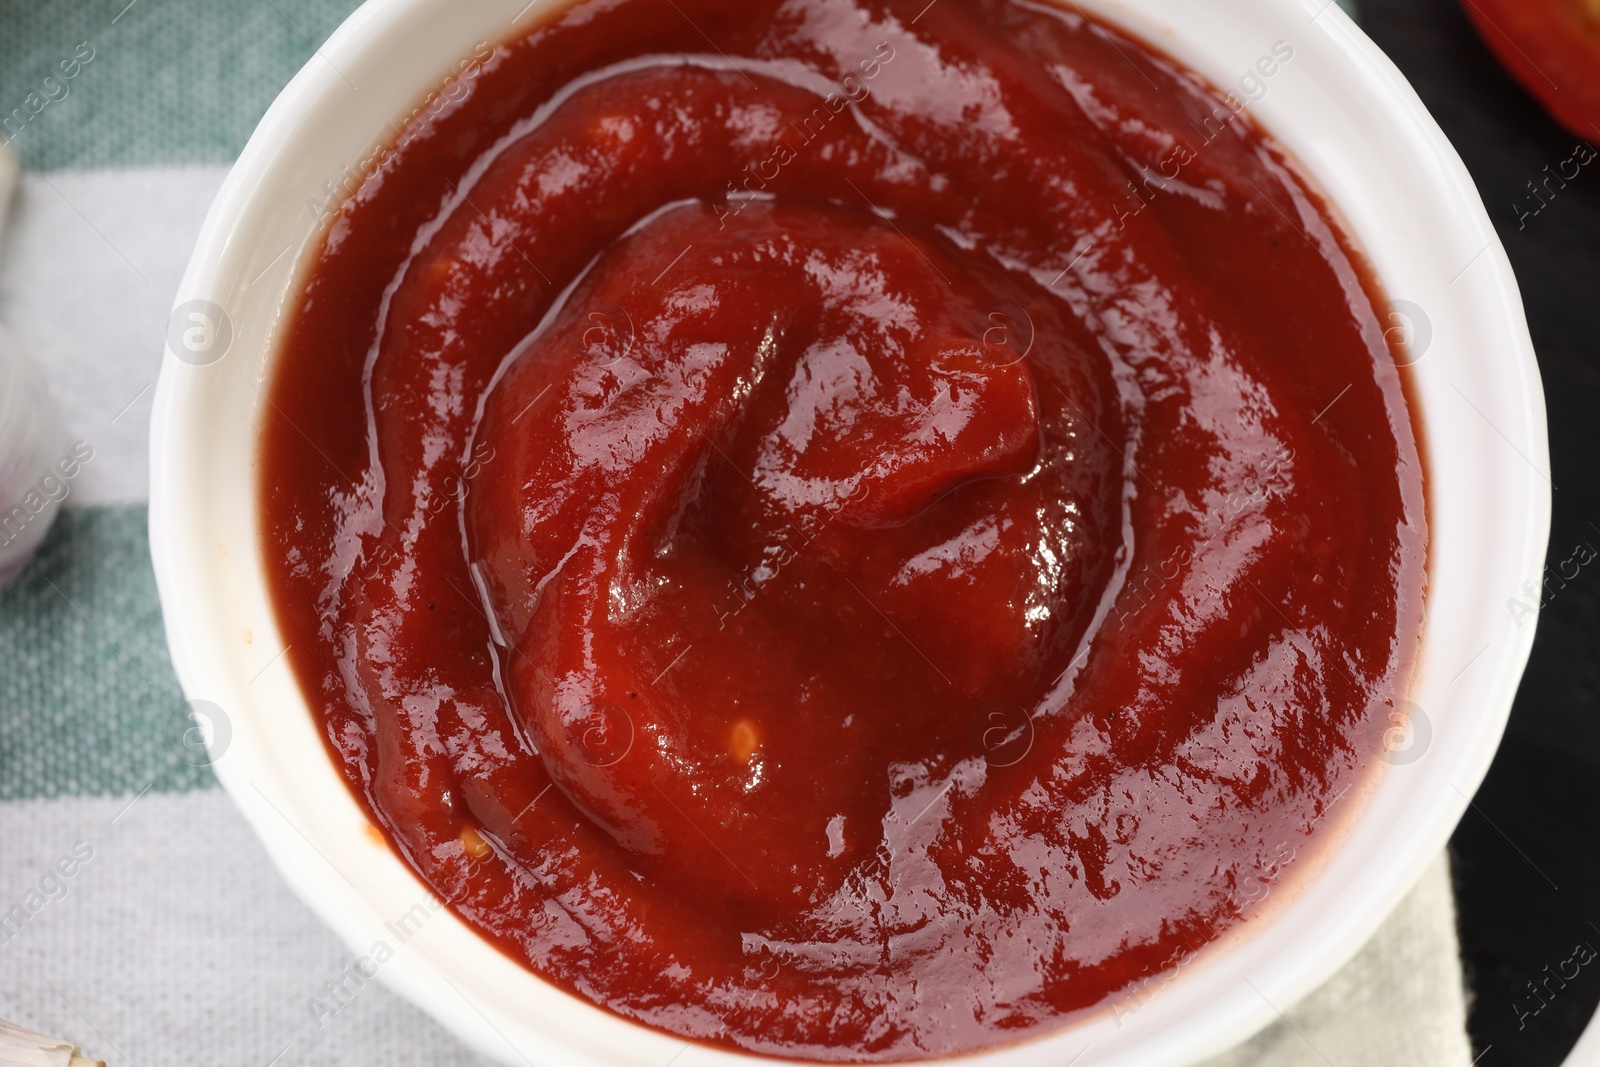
[1553, 48]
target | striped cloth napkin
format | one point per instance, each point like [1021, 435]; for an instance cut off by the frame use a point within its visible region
[138, 915]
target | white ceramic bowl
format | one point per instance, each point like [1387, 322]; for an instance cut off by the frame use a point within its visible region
[1360, 131]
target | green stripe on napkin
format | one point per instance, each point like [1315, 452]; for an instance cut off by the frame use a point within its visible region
[109, 83]
[88, 700]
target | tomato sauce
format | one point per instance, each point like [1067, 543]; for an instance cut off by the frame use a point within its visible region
[843, 529]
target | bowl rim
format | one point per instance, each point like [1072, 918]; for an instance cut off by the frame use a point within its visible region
[283, 788]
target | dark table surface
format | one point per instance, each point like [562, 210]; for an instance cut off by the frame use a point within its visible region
[1527, 854]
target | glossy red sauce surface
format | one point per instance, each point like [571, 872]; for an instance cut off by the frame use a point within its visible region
[840, 532]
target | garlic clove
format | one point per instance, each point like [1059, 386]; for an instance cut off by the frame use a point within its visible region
[21, 1047]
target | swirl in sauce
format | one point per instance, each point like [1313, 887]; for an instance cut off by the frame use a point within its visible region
[869, 531]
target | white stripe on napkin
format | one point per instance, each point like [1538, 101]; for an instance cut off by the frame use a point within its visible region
[88, 269]
[175, 941]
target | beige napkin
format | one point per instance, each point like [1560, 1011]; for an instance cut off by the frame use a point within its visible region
[1399, 1003]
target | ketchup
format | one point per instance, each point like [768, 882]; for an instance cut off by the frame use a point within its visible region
[844, 530]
